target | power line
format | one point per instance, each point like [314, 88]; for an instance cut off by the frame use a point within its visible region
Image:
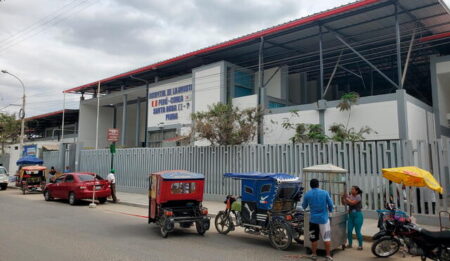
[44, 27]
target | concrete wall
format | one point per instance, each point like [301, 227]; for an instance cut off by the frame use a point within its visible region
[380, 116]
[443, 81]
[209, 85]
[420, 121]
[87, 125]
[274, 133]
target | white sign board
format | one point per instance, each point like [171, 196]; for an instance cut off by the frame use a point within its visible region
[170, 105]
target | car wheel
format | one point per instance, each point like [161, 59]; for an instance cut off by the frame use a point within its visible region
[4, 186]
[72, 199]
[47, 196]
[102, 200]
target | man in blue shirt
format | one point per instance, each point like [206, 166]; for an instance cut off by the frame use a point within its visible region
[319, 203]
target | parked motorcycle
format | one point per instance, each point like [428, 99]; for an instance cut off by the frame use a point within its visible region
[397, 230]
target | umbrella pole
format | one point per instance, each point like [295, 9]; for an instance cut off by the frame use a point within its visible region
[409, 200]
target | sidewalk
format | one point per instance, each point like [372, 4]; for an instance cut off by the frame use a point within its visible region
[141, 200]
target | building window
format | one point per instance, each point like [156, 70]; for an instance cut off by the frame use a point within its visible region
[273, 105]
[243, 83]
[155, 138]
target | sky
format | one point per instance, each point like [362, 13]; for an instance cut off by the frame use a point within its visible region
[54, 45]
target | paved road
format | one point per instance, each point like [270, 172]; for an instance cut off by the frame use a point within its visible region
[35, 230]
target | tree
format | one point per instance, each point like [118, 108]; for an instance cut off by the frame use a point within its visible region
[9, 129]
[304, 132]
[340, 131]
[225, 124]
[346, 103]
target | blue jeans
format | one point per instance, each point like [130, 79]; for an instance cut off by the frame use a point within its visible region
[355, 220]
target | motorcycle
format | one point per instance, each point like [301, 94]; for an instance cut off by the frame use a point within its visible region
[397, 230]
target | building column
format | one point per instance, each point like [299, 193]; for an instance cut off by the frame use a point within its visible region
[138, 121]
[402, 114]
[124, 119]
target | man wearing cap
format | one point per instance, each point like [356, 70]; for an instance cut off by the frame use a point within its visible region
[112, 182]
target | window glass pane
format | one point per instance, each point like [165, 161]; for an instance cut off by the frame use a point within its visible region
[265, 188]
[3, 171]
[183, 188]
[243, 83]
[248, 190]
[273, 105]
[89, 177]
[69, 178]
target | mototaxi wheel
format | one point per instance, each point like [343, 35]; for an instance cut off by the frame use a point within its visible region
[223, 222]
[200, 228]
[280, 235]
[385, 246]
[164, 232]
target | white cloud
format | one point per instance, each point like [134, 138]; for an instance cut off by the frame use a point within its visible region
[101, 38]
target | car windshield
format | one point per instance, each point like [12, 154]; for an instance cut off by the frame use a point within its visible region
[287, 190]
[3, 171]
[87, 177]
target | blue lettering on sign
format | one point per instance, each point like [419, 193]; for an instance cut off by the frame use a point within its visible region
[176, 99]
[157, 94]
[163, 101]
[171, 108]
[171, 116]
[159, 110]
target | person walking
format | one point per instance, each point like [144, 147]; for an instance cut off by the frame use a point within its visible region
[355, 216]
[51, 173]
[112, 182]
[320, 204]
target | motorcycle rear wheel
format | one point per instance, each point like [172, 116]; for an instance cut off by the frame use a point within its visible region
[385, 247]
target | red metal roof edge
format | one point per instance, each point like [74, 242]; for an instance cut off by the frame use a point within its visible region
[48, 114]
[235, 41]
[434, 37]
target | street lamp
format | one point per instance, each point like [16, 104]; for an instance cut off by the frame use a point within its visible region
[22, 113]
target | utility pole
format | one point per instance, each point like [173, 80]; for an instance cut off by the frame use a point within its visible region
[22, 112]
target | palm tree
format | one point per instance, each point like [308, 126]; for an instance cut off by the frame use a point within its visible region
[346, 103]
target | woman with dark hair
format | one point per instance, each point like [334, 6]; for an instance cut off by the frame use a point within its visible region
[355, 216]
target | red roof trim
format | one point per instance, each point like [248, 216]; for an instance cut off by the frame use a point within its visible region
[47, 114]
[434, 37]
[239, 40]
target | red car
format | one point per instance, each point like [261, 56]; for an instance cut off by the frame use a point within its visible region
[76, 186]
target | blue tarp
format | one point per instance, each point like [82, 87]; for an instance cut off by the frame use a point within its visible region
[28, 160]
[263, 176]
[182, 175]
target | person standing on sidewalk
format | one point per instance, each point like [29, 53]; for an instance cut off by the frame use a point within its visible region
[112, 182]
[320, 204]
[355, 216]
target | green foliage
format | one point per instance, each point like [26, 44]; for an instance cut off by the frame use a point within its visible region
[304, 132]
[347, 101]
[9, 129]
[224, 124]
[341, 134]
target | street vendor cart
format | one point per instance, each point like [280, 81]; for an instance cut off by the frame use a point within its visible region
[334, 180]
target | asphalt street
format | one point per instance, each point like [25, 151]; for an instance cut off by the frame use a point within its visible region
[35, 230]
